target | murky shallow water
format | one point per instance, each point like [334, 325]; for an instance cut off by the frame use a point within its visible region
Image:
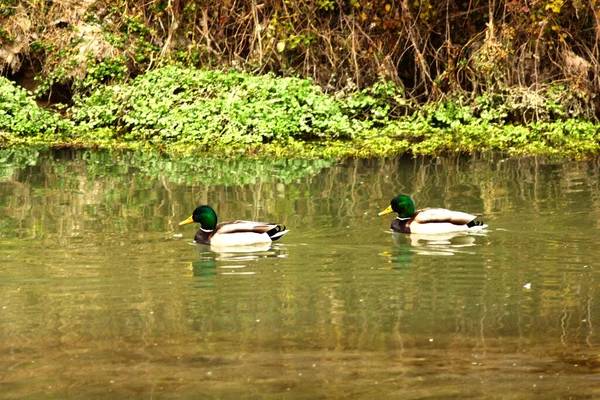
[101, 298]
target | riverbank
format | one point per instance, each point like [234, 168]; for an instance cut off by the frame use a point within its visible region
[185, 111]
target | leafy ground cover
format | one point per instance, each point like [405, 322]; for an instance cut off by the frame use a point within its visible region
[186, 110]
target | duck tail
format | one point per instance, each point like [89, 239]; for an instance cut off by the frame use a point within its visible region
[277, 232]
[475, 223]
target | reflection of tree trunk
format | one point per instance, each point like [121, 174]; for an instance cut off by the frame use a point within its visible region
[172, 220]
[397, 332]
[588, 337]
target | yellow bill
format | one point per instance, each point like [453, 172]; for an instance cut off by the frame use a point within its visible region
[190, 220]
[384, 212]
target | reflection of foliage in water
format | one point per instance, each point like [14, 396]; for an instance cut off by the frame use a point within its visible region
[12, 159]
[186, 169]
[313, 300]
[211, 171]
[46, 194]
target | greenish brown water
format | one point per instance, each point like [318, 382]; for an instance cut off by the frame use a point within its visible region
[100, 296]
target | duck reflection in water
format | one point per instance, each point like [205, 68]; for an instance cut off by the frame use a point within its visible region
[447, 244]
[441, 240]
[231, 260]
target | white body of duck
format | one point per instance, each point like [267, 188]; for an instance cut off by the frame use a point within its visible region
[429, 220]
[234, 233]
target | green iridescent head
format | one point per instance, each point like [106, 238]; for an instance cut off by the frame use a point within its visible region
[205, 216]
[401, 204]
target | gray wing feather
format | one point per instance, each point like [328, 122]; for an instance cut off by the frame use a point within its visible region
[428, 215]
[244, 226]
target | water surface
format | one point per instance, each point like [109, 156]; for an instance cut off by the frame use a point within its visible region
[103, 295]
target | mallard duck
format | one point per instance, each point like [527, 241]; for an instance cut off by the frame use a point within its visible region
[428, 220]
[234, 233]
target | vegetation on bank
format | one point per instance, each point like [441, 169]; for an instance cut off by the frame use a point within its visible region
[430, 48]
[311, 78]
[184, 110]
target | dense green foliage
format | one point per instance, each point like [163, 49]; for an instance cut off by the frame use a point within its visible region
[322, 78]
[175, 104]
[433, 49]
[20, 116]
[183, 110]
[574, 138]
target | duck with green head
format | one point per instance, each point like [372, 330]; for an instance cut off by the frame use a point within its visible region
[428, 220]
[234, 233]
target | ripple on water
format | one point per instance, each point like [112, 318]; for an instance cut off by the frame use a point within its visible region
[101, 294]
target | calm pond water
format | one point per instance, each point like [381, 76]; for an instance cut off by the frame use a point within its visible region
[102, 294]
